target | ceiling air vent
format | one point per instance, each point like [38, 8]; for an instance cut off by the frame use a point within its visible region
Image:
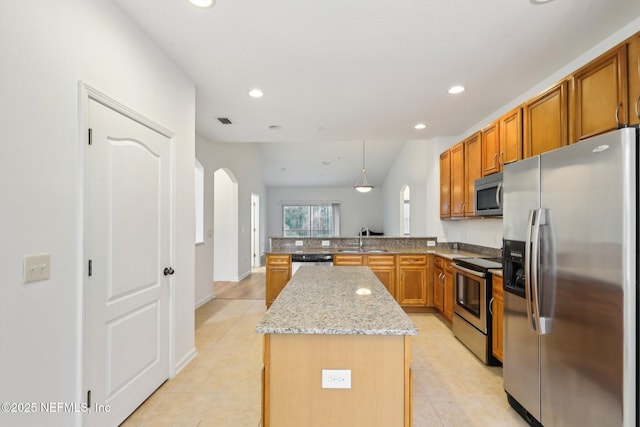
[224, 120]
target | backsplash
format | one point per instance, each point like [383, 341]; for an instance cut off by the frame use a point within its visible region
[288, 244]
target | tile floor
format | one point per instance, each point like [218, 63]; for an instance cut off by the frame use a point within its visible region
[221, 387]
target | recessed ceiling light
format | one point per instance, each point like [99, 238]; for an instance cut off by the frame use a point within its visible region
[540, 1]
[202, 3]
[420, 126]
[456, 89]
[256, 93]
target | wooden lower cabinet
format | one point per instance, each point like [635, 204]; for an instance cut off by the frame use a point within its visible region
[380, 393]
[449, 291]
[384, 267]
[497, 308]
[438, 284]
[412, 280]
[278, 274]
[348, 259]
[443, 291]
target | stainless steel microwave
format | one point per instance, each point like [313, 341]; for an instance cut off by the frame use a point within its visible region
[488, 195]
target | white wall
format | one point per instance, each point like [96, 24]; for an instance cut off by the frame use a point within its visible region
[410, 169]
[357, 210]
[225, 226]
[420, 160]
[47, 47]
[243, 160]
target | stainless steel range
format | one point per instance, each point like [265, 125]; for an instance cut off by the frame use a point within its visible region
[472, 316]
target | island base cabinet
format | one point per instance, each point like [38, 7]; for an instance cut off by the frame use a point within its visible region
[380, 393]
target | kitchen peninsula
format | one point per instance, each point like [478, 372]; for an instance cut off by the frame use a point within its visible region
[337, 351]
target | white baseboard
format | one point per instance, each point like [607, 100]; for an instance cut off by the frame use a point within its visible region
[182, 363]
[204, 300]
[245, 274]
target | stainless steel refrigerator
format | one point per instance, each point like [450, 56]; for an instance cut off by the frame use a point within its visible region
[570, 302]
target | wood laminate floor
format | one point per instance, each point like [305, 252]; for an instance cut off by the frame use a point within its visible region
[221, 386]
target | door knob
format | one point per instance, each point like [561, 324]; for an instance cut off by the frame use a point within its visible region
[169, 271]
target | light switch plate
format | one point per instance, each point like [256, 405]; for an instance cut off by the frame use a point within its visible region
[431, 243]
[336, 378]
[37, 267]
[326, 243]
[299, 242]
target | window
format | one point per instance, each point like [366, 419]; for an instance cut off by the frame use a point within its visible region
[199, 202]
[311, 220]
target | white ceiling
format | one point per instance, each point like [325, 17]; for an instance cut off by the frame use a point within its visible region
[337, 72]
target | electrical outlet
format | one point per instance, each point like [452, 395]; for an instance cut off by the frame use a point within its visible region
[431, 243]
[336, 378]
[326, 243]
[299, 242]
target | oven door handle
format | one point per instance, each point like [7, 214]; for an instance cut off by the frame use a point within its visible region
[469, 271]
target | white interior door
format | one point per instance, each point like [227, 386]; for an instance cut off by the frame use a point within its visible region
[127, 245]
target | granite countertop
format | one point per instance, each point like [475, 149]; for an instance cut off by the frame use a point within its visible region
[323, 300]
[444, 252]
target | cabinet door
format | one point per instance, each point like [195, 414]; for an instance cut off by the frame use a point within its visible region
[491, 149]
[457, 180]
[348, 260]
[599, 95]
[438, 285]
[473, 170]
[545, 121]
[384, 267]
[511, 137]
[633, 75]
[449, 291]
[497, 308]
[445, 184]
[412, 280]
[278, 273]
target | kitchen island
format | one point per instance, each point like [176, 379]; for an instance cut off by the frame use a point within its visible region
[337, 352]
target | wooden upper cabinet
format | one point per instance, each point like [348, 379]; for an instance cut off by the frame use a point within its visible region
[545, 121]
[511, 136]
[472, 170]
[633, 75]
[457, 180]
[599, 95]
[445, 184]
[491, 149]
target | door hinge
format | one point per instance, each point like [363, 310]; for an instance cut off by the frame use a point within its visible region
[90, 268]
[88, 398]
[90, 136]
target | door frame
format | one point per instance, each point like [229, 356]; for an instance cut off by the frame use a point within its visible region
[86, 93]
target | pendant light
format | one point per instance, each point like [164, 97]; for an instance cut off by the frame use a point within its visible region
[362, 184]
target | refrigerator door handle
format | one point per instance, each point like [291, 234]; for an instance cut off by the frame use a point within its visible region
[538, 220]
[527, 271]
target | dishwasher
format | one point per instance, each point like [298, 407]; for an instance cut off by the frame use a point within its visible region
[298, 260]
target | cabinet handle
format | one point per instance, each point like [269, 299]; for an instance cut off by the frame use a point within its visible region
[637, 112]
[501, 158]
[495, 157]
[617, 112]
[491, 306]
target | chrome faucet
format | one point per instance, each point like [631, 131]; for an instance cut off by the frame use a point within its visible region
[362, 230]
